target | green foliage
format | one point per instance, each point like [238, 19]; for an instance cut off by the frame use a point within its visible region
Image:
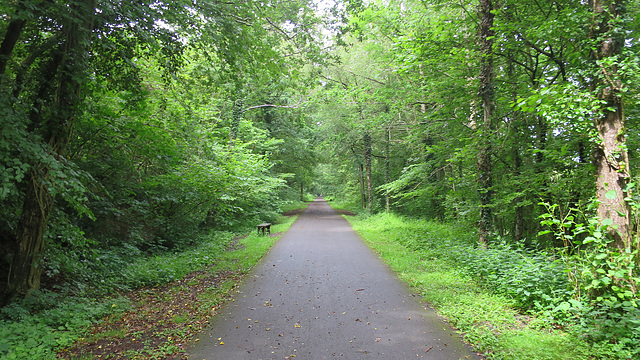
[591, 292]
[155, 271]
[604, 305]
[43, 323]
[47, 322]
[440, 261]
[533, 280]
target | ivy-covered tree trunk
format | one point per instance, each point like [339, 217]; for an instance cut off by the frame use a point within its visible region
[387, 169]
[367, 161]
[611, 159]
[519, 220]
[53, 115]
[484, 165]
[26, 269]
[236, 117]
[363, 195]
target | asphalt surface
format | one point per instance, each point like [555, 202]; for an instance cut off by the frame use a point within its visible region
[321, 293]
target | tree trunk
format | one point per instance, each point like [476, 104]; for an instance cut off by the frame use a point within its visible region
[236, 117]
[66, 68]
[8, 43]
[518, 127]
[362, 193]
[367, 161]
[26, 267]
[611, 159]
[301, 192]
[486, 93]
[519, 209]
[387, 169]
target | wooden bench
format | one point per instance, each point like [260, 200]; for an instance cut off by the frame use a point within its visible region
[264, 227]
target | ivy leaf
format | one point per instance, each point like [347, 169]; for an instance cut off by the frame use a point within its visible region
[607, 222]
[611, 195]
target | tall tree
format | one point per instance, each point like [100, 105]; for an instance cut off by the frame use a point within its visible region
[611, 158]
[487, 101]
[55, 109]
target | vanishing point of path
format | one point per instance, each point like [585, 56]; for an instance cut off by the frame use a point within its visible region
[321, 293]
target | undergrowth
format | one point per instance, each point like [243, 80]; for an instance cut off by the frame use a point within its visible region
[47, 321]
[509, 302]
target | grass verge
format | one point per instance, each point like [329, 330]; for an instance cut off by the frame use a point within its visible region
[420, 253]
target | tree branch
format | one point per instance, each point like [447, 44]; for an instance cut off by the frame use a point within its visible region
[277, 28]
[272, 105]
[334, 80]
[365, 77]
[242, 21]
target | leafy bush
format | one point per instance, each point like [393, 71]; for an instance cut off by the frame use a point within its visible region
[168, 267]
[605, 305]
[44, 322]
[535, 281]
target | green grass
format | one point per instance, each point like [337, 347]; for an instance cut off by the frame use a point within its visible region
[295, 205]
[488, 321]
[250, 249]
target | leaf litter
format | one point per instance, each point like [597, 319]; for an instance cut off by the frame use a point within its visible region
[161, 321]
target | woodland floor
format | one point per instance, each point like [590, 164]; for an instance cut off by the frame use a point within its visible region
[161, 319]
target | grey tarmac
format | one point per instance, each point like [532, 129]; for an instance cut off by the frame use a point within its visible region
[321, 293]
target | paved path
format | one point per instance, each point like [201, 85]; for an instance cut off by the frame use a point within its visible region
[321, 293]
